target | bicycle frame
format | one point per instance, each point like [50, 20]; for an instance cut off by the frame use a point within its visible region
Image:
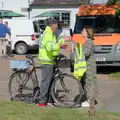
[57, 73]
[30, 73]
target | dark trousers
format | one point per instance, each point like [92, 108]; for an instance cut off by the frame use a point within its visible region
[8, 49]
[46, 72]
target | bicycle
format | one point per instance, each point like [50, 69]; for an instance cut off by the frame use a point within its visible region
[23, 81]
[66, 90]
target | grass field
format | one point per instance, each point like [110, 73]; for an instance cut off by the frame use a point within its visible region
[22, 111]
[115, 75]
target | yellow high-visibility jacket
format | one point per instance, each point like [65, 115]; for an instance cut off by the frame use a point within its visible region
[48, 47]
[79, 61]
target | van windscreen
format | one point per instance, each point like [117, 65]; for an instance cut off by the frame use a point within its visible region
[83, 21]
[36, 27]
[100, 24]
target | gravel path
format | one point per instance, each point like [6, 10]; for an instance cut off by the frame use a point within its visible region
[109, 90]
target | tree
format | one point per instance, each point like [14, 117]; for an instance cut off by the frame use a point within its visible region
[113, 2]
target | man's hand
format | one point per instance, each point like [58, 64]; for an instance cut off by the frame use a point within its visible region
[63, 46]
[61, 41]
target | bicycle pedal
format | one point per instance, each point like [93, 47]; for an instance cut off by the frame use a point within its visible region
[36, 100]
[19, 90]
[11, 99]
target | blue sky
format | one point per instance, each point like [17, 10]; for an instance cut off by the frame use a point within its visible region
[100, 1]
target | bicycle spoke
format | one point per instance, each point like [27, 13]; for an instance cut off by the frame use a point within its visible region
[21, 86]
[65, 90]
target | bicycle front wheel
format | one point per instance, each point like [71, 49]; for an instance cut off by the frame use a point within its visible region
[66, 91]
[21, 86]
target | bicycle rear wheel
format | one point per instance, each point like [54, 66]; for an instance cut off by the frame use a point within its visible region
[21, 86]
[66, 91]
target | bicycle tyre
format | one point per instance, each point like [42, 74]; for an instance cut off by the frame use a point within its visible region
[71, 82]
[22, 93]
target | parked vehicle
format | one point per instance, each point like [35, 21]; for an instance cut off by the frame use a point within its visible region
[106, 23]
[24, 35]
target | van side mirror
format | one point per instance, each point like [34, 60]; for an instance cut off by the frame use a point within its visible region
[71, 33]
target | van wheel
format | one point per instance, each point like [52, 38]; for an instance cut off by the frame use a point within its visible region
[21, 48]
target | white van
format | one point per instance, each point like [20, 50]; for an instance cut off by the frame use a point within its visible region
[24, 34]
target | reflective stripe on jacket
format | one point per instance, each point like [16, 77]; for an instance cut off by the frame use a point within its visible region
[79, 58]
[48, 47]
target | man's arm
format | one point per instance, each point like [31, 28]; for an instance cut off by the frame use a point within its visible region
[50, 44]
[6, 28]
[87, 46]
[9, 31]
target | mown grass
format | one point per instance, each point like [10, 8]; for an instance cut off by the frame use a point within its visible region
[115, 75]
[22, 111]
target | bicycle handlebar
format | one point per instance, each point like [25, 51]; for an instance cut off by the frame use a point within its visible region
[31, 57]
[58, 58]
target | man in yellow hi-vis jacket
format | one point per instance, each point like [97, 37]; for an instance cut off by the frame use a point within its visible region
[48, 50]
